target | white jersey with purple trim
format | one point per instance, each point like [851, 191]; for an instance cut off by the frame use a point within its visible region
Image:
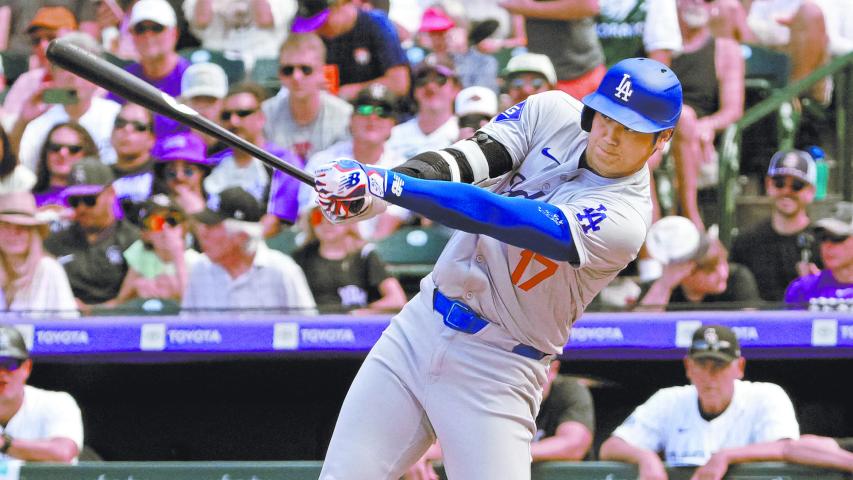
[670, 422]
[537, 299]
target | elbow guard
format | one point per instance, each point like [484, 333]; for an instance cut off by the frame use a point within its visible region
[469, 161]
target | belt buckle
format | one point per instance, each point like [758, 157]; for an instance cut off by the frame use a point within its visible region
[459, 316]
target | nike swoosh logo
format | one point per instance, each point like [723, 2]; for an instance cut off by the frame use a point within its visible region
[547, 153]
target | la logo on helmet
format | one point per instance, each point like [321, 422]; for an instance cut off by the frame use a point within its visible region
[624, 90]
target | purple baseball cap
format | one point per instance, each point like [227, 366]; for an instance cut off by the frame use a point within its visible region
[184, 146]
[311, 15]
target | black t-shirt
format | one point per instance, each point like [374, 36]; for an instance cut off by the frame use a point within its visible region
[569, 400]
[367, 51]
[340, 285]
[772, 258]
[94, 271]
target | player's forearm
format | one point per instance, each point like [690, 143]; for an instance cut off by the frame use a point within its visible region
[531, 224]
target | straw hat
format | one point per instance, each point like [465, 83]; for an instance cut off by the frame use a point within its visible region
[19, 208]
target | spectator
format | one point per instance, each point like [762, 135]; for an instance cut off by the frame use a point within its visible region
[181, 164]
[159, 262]
[835, 281]
[436, 26]
[475, 107]
[478, 66]
[90, 248]
[302, 117]
[153, 25]
[706, 278]
[66, 144]
[38, 425]
[527, 74]
[717, 420]
[639, 28]
[75, 100]
[373, 117]
[776, 250]
[14, 177]
[113, 18]
[565, 425]
[16, 17]
[237, 270]
[363, 44]
[49, 22]
[203, 87]
[344, 272]
[133, 139]
[434, 127]
[564, 30]
[710, 107]
[253, 29]
[33, 282]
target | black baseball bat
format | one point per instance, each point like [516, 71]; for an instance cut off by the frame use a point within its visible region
[103, 73]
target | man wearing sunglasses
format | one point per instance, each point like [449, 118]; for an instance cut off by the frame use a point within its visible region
[527, 74]
[133, 138]
[90, 248]
[36, 424]
[834, 284]
[779, 249]
[717, 420]
[153, 28]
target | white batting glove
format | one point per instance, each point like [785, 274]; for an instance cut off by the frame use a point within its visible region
[343, 212]
[348, 180]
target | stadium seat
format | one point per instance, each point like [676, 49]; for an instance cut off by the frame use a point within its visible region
[234, 68]
[411, 252]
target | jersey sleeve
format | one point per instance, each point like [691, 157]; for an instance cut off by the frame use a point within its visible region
[607, 232]
[777, 420]
[645, 426]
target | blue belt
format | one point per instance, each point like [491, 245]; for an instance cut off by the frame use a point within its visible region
[460, 317]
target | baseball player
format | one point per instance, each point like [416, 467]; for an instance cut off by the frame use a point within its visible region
[551, 201]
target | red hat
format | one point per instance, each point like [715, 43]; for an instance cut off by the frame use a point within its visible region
[435, 20]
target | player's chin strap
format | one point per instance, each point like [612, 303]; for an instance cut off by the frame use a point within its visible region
[532, 224]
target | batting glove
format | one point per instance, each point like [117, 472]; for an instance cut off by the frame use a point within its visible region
[343, 212]
[347, 180]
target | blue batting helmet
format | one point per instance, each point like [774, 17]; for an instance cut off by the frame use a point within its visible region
[640, 93]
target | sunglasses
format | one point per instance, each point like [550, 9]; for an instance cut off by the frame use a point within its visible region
[225, 116]
[57, 147]
[796, 184]
[378, 110]
[88, 200]
[423, 80]
[172, 173]
[287, 70]
[536, 83]
[36, 40]
[825, 236]
[155, 222]
[141, 28]
[11, 364]
[120, 123]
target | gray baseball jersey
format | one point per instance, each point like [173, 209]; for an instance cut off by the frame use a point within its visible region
[533, 297]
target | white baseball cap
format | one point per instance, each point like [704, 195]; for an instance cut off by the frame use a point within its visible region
[157, 11]
[204, 79]
[476, 100]
[674, 239]
[532, 63]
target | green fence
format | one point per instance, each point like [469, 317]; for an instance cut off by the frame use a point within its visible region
[311, 470]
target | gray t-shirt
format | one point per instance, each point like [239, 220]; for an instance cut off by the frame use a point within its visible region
[572, 45]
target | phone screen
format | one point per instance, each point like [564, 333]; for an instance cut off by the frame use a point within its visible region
[62, 96]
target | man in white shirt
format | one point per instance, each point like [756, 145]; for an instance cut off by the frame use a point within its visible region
[237, 270]
[37, 425]
[716, 421]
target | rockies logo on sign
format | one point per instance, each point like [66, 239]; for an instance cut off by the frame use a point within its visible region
[624, 90]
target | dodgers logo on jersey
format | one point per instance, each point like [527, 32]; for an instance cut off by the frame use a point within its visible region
[624, 90]
[512, 113]
[593, 216]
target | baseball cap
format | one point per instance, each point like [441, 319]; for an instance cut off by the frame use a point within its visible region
[180, 146]
[204, 79]
[841, 221]
[435, 20]
[376, 94]
[716, 342]
[233, 203]
[310, 15]
[55, 18]
[795, 163]
[19, 208]
[88, 177]
[157, 11]
[12, 344]
[476, 99]
[532, 63]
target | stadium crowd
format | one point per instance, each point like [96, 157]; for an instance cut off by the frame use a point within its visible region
[104, 205]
